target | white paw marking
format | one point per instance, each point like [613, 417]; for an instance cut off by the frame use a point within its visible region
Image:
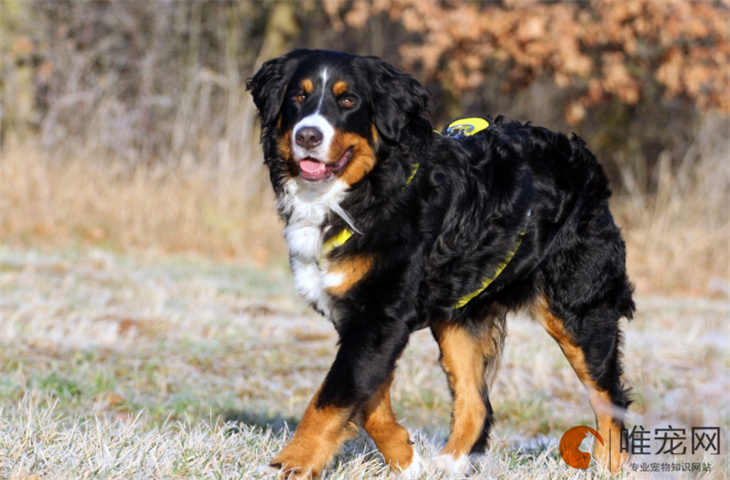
[448, 463]
[414, 469]
[267, 470]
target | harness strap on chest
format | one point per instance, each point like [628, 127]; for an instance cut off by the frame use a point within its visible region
[336, 241]
[345, 234]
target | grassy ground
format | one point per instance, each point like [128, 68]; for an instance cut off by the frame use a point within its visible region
[122, 358]
[120, 366]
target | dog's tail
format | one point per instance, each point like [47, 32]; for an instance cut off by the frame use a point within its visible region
[584, 161]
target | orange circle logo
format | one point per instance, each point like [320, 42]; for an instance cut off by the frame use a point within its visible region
[570, 442]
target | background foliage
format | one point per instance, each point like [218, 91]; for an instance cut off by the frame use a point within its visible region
[147, 91]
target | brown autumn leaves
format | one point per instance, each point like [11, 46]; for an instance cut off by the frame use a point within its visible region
[603, 50]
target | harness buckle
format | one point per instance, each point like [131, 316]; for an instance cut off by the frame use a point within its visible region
[465, 127]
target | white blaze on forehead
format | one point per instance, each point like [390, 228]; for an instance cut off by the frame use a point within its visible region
[315, 120]
[323, 76]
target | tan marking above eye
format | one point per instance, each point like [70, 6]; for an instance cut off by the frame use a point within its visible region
[340, 87]
[307, 85]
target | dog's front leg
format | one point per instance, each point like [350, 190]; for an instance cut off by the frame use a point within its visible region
[364, 363]
[322, 429]
[392, 440]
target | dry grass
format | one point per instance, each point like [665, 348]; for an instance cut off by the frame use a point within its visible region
[116, 366]
[678, 239]
[120, 358]
[98, 199]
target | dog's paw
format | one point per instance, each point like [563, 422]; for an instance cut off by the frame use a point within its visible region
[448, 463]
[275, 470]
[414, 470]
[266, 471]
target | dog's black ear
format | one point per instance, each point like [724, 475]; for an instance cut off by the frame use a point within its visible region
[399, 102]
[268, 85]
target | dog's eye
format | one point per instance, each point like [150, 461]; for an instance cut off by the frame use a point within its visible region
[346, 102]
[301, 97]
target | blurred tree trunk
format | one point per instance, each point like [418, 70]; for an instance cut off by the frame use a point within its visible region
[449, 106]
[281, 27]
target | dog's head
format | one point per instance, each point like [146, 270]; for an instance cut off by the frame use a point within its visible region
[327, 115]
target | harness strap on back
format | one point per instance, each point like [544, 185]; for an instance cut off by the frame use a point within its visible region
[457, 128]
[487, 281]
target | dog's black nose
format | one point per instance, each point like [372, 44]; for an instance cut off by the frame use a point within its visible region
[309, 137]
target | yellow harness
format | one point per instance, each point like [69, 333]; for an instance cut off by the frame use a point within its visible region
[456, 128]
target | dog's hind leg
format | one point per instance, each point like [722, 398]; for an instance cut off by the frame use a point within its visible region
[389, 436]
[596, 360]
[469, 357]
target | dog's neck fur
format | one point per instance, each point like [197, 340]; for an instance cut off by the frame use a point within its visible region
[307, 207]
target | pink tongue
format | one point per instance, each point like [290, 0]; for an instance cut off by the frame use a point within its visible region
[311, 167]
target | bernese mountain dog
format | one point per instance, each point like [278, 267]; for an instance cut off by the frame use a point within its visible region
[393, 227]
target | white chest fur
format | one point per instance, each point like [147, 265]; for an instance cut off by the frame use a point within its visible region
[308, 206]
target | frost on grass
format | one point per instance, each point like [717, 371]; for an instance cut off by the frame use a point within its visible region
[131, 367]
[39, 441]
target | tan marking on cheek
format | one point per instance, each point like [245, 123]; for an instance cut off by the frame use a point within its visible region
[284, 148]
[374, 132]
[363, 156]
[340, 143]
[352, 270]
[339, 87]
[307, 85]
[362, 163]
